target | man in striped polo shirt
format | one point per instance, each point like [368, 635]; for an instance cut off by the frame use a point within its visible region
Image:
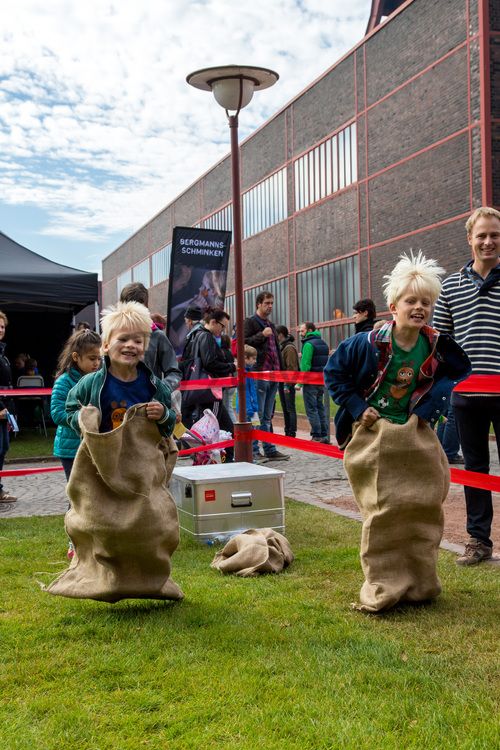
[469, 308]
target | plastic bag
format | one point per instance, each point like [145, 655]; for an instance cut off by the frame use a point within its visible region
[206, 428]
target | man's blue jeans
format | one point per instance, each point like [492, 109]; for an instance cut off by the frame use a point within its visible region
[448, 435]
[315, 410]
[266, 396]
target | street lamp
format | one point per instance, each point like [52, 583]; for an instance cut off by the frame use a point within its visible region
[233, 87]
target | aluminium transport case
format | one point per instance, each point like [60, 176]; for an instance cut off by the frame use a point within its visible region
[217, 501]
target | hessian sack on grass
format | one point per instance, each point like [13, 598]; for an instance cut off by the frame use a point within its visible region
[123, 519]
[400, 478]
[254, 552]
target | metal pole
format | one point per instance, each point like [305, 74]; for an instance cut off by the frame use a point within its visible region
[242, 428]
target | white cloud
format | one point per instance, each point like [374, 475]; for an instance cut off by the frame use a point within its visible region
[97, 124]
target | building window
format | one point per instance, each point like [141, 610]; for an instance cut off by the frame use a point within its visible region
[160, 264]
[140, 273]
[222, 219]
[327, 168]
[333, 335]
[328, 292]
[122, 280]
[230, 308]
[265, 204]
[279, 289]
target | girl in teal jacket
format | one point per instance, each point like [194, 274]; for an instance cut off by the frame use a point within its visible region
[81, 354]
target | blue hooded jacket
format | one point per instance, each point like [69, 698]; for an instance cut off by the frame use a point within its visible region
[356, 369]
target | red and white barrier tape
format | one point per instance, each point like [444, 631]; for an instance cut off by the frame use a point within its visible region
[211, 447]
[287, 376]
[479, 384]
[472, 384]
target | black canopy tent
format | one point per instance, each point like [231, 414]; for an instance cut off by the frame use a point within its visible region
[40, 298]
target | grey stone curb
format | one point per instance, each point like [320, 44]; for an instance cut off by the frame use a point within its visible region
[32, 460]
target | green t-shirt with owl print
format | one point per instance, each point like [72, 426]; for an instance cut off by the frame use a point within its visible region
[392, 397]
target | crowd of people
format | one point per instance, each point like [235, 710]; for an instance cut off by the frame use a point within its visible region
[392, 381]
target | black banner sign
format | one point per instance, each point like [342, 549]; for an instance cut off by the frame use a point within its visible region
[198, 275]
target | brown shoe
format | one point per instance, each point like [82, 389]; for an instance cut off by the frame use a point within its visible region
[6, 498]
[475, 552]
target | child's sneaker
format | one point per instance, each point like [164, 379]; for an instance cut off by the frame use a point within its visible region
[71, 551]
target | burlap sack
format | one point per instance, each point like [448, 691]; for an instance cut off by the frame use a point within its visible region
[253, 552]
[123, 520]
[400, 478]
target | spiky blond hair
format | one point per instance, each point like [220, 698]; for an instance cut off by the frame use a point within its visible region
[416, 273]
[130, 316]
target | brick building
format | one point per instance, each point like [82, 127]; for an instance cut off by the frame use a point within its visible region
[390, 149]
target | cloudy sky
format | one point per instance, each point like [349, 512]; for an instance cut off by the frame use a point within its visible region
[98, 128]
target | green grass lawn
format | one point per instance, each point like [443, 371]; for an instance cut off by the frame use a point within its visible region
[273, 662]
[31, 443]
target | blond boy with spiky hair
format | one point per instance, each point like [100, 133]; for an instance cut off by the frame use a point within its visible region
[124, 379]
[391, 385]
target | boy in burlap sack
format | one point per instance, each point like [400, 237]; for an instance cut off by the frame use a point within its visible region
[392, 384]
[123, 520]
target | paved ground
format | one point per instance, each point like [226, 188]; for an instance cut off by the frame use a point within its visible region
[309, 478]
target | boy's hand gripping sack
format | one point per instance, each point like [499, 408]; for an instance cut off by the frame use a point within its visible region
[123, 519]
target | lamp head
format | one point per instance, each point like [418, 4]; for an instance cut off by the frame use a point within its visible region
[233, 85]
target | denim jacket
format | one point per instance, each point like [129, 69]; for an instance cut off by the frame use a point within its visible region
[356, 369]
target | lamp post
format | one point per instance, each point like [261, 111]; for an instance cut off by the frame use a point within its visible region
[233, 87]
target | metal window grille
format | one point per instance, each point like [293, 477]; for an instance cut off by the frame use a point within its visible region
[222, 219]
[160, 264]
[265, 204]
[326, 168]
[123, 279]
[140, 273]
[328, 292]
[278, 288]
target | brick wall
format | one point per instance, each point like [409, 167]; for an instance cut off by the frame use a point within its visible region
[428, 109]
[495, 100]
[425, 31]
[327, 230]
[324, 107]
[494, 15]
[427, 189]
[264, 152]
[447, 244]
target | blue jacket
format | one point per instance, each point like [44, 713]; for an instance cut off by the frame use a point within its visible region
[88, 391]
[252, 400]
[356, 369]
[66, 442]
